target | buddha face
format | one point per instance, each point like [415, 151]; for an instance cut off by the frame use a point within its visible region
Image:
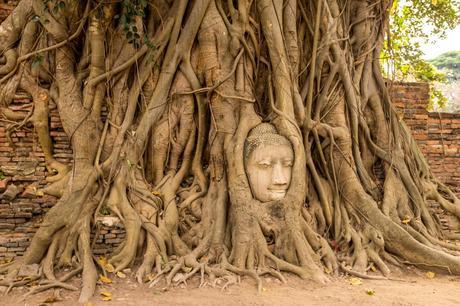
[269, 170]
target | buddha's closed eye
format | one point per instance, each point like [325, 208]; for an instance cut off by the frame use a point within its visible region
[264, 164]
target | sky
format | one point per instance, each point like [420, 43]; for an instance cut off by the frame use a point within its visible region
[450, 43]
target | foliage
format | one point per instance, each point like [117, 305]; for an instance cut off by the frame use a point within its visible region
[131, 10]
[449, 62]
[413, 23]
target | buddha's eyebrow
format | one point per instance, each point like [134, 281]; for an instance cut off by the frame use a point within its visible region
[264, 161]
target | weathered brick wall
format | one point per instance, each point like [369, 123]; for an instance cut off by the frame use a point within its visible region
[437, 134]
[23, 170]
[443, 147]
[23, 174]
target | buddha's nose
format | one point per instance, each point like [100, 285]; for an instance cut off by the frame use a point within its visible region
[279, 178]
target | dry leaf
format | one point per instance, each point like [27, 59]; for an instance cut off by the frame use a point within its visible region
[106, 295]
[39, 193]
[105, 264]
[105, 279]
[370, 291]
[121, 274]
[264, 289]
[457, 244]
[102, 261]
[406, 220]
[373, 269]
[355, 281]
[109, 268]
[89, 304]
[156, 193]
[430, 274]
[327, 271]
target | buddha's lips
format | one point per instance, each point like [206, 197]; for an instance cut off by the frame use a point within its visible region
[276, 195]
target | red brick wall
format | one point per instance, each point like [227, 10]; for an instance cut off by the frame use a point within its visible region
[22, 165]
[443, 147]
[438, 134]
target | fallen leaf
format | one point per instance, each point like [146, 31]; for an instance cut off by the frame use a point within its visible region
[89, 304]
[156, 193]
[109, 268]
[457, 244]
[106, 295]
[406, 220]
[102, 261]
[264, 289]
[39, 193]
[121, 274]
[370, 291]
[430, 274]
[105, 279]
[327, 271]
[373, 268]
[354, 281]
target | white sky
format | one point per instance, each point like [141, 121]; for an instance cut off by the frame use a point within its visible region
[450, 43]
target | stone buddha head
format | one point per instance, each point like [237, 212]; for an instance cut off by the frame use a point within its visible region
[268, 160]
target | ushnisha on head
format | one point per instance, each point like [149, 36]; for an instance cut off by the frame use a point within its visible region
[268, 160]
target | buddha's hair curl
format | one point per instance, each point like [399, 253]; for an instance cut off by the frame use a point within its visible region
[263, 134]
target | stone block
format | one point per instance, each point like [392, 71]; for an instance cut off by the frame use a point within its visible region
[11, 192]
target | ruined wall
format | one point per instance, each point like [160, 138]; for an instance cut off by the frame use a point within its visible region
[23, 174]
[437, 134]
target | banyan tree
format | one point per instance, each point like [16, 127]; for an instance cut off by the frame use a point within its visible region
[229, 137]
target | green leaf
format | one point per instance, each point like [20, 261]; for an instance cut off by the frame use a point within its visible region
[37, 61]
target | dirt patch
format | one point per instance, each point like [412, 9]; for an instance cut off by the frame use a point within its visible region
[415, 288]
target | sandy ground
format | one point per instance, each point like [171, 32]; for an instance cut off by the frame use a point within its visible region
[414, 289]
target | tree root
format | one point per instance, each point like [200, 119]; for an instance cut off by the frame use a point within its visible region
[367, 276]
